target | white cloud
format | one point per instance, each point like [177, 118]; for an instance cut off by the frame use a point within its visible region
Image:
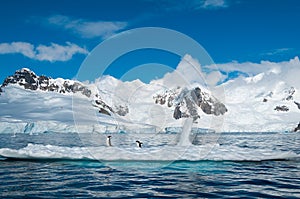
[190, 71]
[24, 48]
[56, 52]
[249, 67]
[208, 4]
[53, 52]
[289, 71]
[278, 51]
[188, 5]
[87, 29]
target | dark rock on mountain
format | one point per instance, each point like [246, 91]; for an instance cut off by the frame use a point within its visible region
[106, 109]
[29, 80]
[206, 108]
[281, 108]
[103, 111]
[186, 103]
[290, 93]
[103, 107]
[75, 87]
[177, 113]
[160, 100]
[23, 77]
[219, 108]
[121, 110]
[298, 104]
[44, 82]
[297, 128]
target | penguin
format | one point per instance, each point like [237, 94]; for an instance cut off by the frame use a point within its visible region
[139, 144]
[108, 141]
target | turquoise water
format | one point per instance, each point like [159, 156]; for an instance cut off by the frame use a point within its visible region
[80, 178]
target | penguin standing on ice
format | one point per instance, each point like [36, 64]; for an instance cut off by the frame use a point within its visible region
[108, 141]
[139, 144]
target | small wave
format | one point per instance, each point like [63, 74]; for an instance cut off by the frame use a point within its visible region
[213, 152]
[3, 158]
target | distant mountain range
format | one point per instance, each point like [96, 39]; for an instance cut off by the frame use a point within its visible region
[184, 102]
[252, 103]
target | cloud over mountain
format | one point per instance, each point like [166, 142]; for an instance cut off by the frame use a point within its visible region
[85, 28]
[52, 53]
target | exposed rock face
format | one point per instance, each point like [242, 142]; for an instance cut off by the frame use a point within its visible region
[290, 94]
[102, 106]
[186, 103]
[23, 77]
[177, 113]
[29, 80]
[121, 110]
[298, 104]
[281, 108]
[297, 128]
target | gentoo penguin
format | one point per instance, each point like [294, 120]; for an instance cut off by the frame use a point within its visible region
[139, 144]
[108, 141]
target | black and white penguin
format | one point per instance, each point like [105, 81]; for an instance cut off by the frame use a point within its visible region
[139, 144]
[108, 141]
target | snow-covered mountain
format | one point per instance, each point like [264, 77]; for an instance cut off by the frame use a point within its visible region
[268, 100]
[129, 102]
[186, 102]
[27, 79]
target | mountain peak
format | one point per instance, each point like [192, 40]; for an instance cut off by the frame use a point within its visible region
[29, 80]
[25, 70]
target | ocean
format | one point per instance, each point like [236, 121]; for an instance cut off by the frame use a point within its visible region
[213, 165]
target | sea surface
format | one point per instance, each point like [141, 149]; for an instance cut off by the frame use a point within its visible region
[226, 165]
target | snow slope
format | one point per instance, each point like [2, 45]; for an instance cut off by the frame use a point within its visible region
[252, 100]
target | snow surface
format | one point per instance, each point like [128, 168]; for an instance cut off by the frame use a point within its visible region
[40, 111]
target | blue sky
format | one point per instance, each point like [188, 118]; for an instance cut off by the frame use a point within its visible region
[54, 37]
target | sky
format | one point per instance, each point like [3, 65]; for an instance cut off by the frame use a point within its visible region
[54, 37]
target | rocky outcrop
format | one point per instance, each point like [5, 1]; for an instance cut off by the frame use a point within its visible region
[106, 109]
[29, 80]
[23, 77]
[282, 108]
[188, 103]
[297, 128]
[298, 104]
[177, 113]
[290, 94]
[121, 110]
[102, 106]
